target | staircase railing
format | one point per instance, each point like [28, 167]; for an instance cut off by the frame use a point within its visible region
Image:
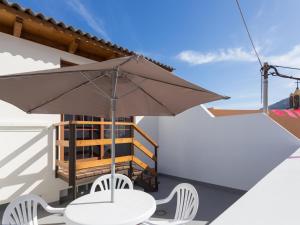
[72, 166]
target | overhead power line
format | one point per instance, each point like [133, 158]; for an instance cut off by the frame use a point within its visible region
[284, 76]
[287, 67]
[265, 68]
[278, 74]
[248, 32]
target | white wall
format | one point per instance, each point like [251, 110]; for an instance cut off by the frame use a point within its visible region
[26, 159]
[149, 124]
[274, 200]
[26, 141]
[232, 151]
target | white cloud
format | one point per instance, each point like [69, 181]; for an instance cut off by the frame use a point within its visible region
[92, 21]
[289, 58]
[230, 54]
[261, 10]
[291, 84]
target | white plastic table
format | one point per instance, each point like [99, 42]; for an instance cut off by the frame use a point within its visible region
[131, 207]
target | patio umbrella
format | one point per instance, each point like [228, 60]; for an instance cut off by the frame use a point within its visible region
[127, 86]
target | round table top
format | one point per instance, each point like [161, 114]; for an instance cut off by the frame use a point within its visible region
[130, 207]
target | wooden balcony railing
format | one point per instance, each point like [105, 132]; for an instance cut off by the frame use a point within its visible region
[73, 166]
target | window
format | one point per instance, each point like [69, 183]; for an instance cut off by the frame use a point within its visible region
[83, 132]
[121, 132]
[93, 131]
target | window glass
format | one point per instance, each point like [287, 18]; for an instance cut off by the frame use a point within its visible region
[92, 132]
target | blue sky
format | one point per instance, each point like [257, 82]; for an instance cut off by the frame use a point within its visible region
[204, 40]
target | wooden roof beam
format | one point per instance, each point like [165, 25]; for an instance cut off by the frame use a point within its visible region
[18, 24]
[73, 46]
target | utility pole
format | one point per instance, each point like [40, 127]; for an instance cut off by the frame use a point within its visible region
[265, 86]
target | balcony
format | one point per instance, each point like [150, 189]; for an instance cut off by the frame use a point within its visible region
[83, 170]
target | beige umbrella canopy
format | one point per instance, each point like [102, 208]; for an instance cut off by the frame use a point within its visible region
[127, 86]
[142, 88]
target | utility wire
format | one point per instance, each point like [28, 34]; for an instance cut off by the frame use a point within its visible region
[274, 67]
[276, 73]
[252, 43]
[285, 76]
[287, 67]
[248, 32]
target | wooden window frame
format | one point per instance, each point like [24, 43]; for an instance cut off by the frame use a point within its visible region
[102, 128]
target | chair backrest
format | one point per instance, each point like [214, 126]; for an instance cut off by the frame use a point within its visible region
[187, 201]
[23, 210]
[103, 183]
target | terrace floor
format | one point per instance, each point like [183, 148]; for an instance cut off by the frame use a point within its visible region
[213, 200]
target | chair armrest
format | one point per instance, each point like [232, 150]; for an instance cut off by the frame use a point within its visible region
[50, 209]
[166, 200]
[162, 222]
[162, 201]
[178, 222]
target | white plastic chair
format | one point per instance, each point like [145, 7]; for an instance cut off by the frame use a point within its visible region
[23, 210]
[187, 205]
[104, 182]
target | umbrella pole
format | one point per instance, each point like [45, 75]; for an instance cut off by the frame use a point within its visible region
[113, 147]
[113, 103]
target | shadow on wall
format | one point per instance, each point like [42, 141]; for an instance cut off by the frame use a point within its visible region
[21, 55]
[149, 124]
[22, 50]
[29, 167]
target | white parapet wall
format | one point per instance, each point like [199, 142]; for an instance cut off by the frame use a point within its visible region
[274, 200]
[232, 151]
[26, 141]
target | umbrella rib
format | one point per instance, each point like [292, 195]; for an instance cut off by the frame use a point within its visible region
[126, 61]
[177, 85]
[114, 88]
[99, 90]
[160, 103]
[27, 74]
[131, 91]
[62, 94]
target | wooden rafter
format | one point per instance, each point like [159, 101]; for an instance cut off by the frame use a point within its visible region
[18, 24]
[73, 46]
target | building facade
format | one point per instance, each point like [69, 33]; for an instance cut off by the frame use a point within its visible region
[234, 151]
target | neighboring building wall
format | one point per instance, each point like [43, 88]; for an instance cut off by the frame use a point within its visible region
[26, 150]
[232, 151]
